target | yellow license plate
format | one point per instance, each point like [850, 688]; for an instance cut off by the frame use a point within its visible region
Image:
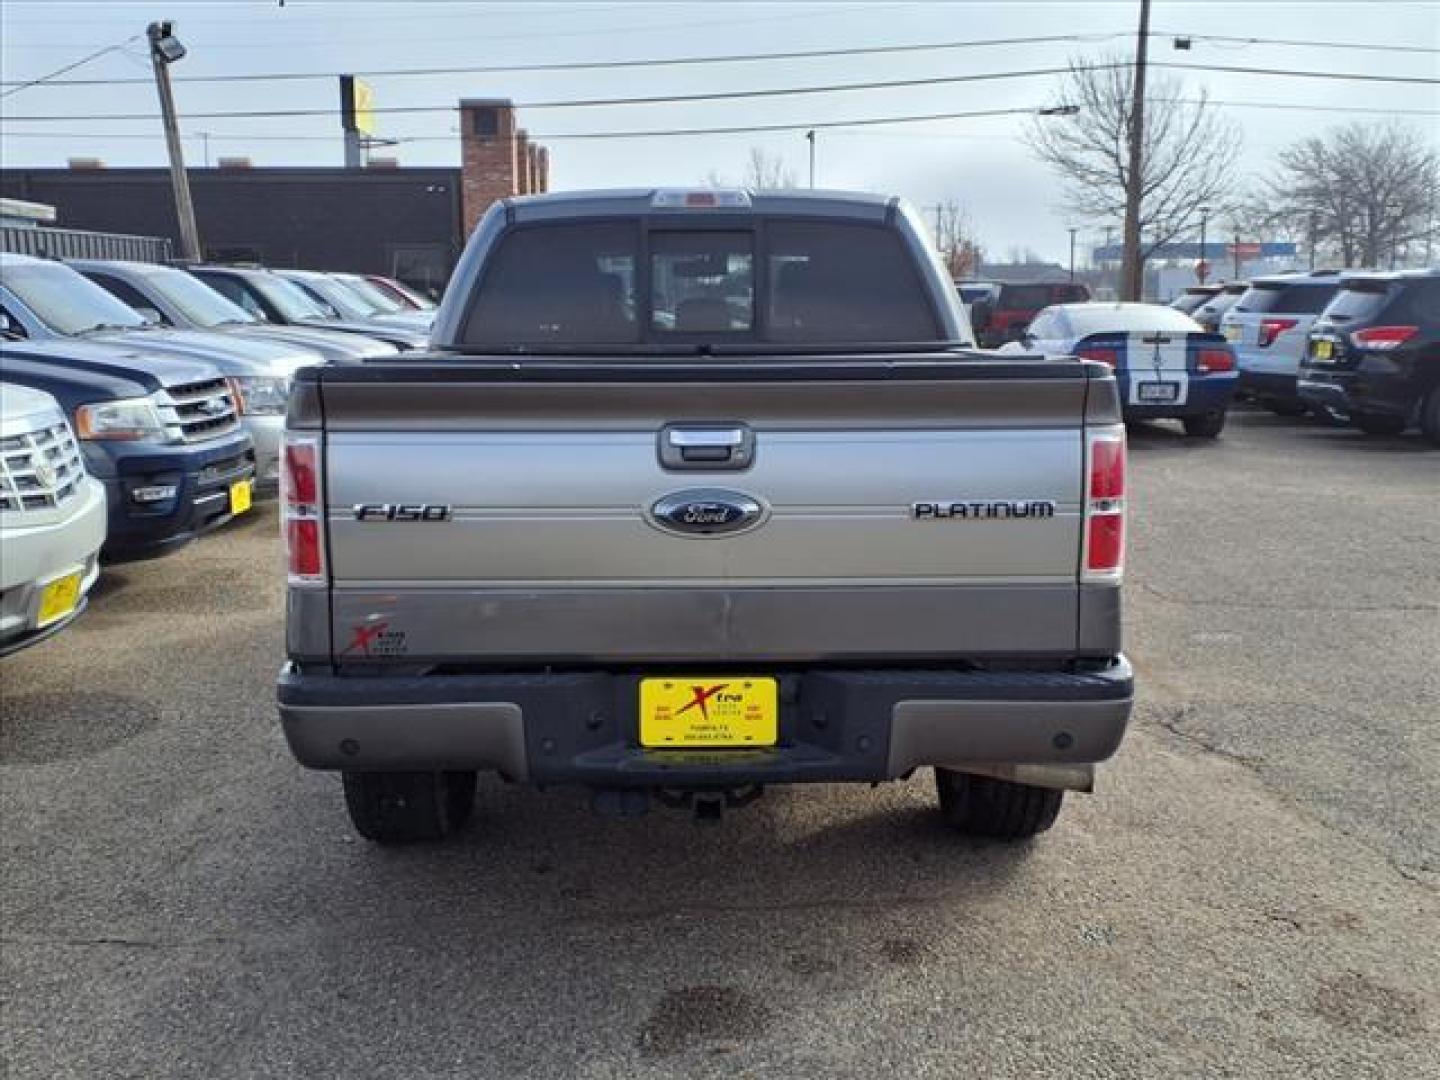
[708, 712]
[240, 496]
[1322, 350]
[59, 598]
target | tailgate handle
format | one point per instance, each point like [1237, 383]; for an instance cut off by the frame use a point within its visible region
[706, 446]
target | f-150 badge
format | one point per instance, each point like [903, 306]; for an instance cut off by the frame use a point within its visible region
[983, 510]
[402, 511]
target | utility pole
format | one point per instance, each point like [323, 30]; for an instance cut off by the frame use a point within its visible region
[810, 138]
[165, 49]
[1073, 231]
[1236, 250]
[1134, 271]
[1314, 232]
[205, 142]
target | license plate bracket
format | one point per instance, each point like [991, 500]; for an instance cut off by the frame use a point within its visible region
[690, 712]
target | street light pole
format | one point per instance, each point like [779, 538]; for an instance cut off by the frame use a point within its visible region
[1073, 231]
[1203, 270]
[810, 137]
[165, 49]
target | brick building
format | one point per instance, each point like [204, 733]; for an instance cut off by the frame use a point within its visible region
[410, 222]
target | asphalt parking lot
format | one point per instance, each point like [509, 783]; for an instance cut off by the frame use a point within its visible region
[1251, 892]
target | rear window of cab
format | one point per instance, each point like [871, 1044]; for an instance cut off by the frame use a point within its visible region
[616, 283]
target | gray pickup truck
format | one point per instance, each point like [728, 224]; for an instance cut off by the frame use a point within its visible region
[696, 493]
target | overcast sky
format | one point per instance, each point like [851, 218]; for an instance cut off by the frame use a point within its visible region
[1012, 201]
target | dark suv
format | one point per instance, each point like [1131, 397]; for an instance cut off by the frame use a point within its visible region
[1374, 353]
[1004, 316]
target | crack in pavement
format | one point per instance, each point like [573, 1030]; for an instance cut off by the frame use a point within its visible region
[1422, 874]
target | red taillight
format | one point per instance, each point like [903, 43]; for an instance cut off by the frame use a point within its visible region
[1270, 329]
[1381, 338]
[1104, 540]
[300, 505]
[1208, 361]
[1107, 468]
[301, 482]
[1104, 356]
[302, 540]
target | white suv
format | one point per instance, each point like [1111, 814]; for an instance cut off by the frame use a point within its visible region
[1268, 328]
[52, 519]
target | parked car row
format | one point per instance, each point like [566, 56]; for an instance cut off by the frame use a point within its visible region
[1356, 347]
[140, 408]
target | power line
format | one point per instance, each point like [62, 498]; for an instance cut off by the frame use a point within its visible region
[600, 65]
[666, 99]
[269, 43]
[729, 130]
[15, 88]
[1347, 45]
[1347, 76]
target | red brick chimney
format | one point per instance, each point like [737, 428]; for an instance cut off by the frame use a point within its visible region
[488, 168]
[497, 159]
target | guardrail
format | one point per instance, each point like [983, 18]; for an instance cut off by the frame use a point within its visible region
[82, 244]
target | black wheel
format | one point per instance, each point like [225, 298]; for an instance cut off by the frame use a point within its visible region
[1285, 407]
[406, 807]
[1375, 424]
[984, 806]
[1206, 425]
[1430, 416]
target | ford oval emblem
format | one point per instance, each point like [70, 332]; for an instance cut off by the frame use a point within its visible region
[707, 512]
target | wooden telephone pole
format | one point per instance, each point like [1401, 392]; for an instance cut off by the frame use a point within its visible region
[1132, 282]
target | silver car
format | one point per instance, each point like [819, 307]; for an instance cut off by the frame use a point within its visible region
[168, 296]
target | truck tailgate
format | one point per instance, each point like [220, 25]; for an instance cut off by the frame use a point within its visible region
[927, 511]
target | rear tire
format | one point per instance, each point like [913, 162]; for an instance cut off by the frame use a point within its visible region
[1205, 426]
[1375, 424]
[1002, 809]
[1430, 416]
[408, 807]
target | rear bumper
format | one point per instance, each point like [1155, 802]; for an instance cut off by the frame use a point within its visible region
[1365, 392]
[1269, 385]
[1203, 394]
[580, 727]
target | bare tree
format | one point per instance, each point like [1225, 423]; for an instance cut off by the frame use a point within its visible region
[1364, 193]
[955, 240]
[763, 172]
[767, 171]
[1188, 150]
